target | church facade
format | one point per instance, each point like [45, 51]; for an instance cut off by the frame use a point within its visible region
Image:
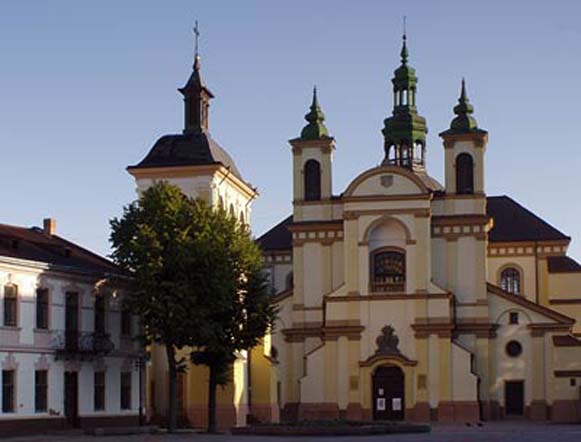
[402, 298]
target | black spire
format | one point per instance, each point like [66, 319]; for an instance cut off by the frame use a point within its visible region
[196, 96]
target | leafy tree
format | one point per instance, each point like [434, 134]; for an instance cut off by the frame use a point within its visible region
[196, 281]
[240, 311]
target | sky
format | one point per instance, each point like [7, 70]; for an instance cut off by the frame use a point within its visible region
[86, 88]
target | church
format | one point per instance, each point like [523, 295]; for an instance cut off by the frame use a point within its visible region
[400, 298]
[403, 298]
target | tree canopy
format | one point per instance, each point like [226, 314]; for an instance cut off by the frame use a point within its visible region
[196, 281]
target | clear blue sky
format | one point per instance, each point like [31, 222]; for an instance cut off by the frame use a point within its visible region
[87, 87]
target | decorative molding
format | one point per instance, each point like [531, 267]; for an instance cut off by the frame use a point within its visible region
[380, 358]
[9, 362]
[42, 363]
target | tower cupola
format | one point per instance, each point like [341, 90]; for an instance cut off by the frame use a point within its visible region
[315, 129]
[196, 97]
[405, 130]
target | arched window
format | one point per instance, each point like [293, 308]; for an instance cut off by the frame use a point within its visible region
[510, 280]
[464, 174]
[312, 180]
[388, 271]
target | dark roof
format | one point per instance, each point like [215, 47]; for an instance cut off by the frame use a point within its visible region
[34, 245]
[513, 222]
[563, 264]
[277, 238]
[191, 149]
[566, 341]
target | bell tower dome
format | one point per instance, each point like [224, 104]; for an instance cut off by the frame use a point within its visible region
[405, 130]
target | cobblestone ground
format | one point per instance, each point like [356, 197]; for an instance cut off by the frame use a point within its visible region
[497, 432]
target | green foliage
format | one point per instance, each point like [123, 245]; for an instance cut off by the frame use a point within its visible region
[196, 278]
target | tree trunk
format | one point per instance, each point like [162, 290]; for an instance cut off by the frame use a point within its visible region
[212, 386]
[171, 364]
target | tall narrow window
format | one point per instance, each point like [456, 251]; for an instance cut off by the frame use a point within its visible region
[100, 314]
[312, 180]
[126, 390]
[10, 306]
[8, 397]
[510, 280]
[42, 308]
[464, 174]
[99, 391]
[388, 269]
[41, 391]
[72, 321]
[126, 322]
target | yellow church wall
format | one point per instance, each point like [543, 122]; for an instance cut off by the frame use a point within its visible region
[525, 264]
[564, 285]
[566, 359]
[439, 261]
[459, 205]
[462, 381]
[565, 295]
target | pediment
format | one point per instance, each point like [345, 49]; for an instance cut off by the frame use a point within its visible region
[386, 181]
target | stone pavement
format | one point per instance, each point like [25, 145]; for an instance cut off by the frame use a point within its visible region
[493, 432]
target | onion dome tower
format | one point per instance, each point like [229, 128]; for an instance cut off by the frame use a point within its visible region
[405, 130]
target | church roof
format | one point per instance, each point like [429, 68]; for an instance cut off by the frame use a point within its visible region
[512, 222]
[563, 264]
[189, 149]
[277, 238]
[33, 244]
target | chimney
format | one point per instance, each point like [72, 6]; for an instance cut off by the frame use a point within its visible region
[49, 226]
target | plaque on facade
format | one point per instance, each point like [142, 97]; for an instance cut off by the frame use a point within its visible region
[386, 180]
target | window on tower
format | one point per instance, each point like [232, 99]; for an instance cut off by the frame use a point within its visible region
[464, 174]
[388, 271]
[510, 280]
[312, 180]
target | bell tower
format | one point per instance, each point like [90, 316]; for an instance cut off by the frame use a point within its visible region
[465, 146]
[312, 157]
[405, 130]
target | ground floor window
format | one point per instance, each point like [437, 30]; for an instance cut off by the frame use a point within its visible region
[99, 391]
[8, 391]
[40, 391]
[126, 390]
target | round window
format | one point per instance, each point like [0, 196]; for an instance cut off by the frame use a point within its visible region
[513, 349]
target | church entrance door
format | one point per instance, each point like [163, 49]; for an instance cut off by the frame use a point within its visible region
[514, 397]
[388, 393]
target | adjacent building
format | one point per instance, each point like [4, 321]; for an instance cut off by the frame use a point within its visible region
[404, 298]
[67, 349]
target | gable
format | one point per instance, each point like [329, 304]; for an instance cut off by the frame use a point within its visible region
[502, 301]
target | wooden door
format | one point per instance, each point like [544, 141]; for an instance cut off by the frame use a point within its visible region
[388, 393]
[514, 398]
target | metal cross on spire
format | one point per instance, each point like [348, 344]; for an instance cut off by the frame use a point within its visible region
[197, 36]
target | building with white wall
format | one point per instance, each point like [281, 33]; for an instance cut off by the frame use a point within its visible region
[67, 345]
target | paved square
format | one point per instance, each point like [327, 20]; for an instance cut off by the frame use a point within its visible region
[496, 432]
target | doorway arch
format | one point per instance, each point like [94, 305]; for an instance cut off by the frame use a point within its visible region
[388, 393]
